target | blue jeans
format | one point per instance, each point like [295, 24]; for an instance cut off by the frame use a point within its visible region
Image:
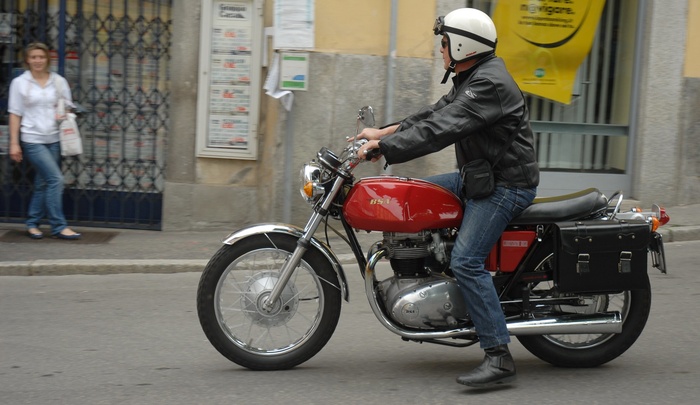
[47, 199]
[483, 223]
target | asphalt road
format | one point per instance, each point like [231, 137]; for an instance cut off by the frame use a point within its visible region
[135, 339]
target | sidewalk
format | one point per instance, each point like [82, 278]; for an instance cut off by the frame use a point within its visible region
[116, 251]
[112, 251]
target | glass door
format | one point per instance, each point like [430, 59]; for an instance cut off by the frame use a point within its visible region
[588, 142]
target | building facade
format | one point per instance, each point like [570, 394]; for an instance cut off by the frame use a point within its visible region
[631, 124]
[349, 68]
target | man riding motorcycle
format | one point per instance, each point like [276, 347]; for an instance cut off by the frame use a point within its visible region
[481, 112]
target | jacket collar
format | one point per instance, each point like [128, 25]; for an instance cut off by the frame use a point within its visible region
[27, 75]
[461, 77]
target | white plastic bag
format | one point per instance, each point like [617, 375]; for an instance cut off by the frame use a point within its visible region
[71, 144]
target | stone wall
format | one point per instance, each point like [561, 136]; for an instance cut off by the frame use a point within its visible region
[689, 158]
[211, 194]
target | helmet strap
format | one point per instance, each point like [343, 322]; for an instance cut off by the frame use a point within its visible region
[449, 70]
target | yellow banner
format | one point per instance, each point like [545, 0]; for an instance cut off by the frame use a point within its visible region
[544, 42]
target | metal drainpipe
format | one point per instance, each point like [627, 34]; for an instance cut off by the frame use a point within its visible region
[62, 38]
[288, 156]
[390, 67]
[635, 105]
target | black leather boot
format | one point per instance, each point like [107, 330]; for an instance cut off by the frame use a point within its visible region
[497, 368]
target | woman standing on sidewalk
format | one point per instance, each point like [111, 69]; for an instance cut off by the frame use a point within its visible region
[34, 134]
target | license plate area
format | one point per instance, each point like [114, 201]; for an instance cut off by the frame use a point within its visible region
[658, 255]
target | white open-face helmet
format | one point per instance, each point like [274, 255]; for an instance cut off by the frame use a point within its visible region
[470, 32]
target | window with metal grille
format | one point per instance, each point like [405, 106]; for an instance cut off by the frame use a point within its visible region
[115, 56]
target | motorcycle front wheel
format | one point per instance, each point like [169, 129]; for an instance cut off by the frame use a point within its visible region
[237, 281]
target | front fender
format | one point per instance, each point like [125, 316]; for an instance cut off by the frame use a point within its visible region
[292, 230]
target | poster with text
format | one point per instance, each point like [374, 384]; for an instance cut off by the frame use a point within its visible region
[544, 42]
[229, 83]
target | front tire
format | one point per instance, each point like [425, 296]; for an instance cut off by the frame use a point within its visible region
[233, 287]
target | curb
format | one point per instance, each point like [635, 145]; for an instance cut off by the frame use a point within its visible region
[98, 267]
[67, 267]
[681, 234]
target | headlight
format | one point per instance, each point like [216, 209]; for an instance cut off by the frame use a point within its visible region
[311, 188]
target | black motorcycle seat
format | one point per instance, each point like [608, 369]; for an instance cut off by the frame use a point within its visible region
[562, 208]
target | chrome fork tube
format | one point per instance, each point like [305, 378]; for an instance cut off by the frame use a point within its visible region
[302, 245]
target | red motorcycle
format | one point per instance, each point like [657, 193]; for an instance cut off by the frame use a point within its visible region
[571, 271]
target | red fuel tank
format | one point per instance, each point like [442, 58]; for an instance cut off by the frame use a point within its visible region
[397, 204]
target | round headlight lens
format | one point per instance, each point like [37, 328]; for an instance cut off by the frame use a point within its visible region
[310, 188]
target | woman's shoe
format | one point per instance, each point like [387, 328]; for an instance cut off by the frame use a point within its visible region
[34, 233]
[72, 236]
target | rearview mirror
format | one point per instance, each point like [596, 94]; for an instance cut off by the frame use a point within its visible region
[365, 118]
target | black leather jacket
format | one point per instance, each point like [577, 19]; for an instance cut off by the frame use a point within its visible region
[478, 115]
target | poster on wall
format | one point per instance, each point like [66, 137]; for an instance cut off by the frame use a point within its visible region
[294, 71]
[294, 24]
[230, 67]
[543, 43]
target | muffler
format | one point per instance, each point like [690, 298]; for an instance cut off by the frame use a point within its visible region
[607, 322]
[604, 323]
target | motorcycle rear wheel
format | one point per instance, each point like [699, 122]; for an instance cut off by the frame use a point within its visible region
[591, 350]
[233, 287]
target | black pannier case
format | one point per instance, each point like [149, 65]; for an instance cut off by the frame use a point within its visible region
[604, 256]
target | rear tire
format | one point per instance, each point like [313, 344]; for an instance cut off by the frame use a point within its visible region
[590, 350]
[593, 350]
[234, 285]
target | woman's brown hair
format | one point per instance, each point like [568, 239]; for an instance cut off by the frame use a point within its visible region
[37, 46]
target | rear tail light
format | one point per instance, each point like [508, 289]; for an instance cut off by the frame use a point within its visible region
[663, 218]
[659, 218]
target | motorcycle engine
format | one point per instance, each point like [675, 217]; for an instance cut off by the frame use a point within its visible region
[417, 297]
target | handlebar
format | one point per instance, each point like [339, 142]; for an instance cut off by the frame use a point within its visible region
[373, 153]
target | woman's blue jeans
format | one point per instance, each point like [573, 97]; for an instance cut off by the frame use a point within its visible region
[483, 223]
[47, 199]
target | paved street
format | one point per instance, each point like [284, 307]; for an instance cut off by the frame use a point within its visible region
[135, 339]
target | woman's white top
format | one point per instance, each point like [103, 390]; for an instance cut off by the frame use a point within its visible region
[37, 106]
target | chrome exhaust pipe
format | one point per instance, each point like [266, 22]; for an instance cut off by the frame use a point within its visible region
[608, 322]
[603, 323]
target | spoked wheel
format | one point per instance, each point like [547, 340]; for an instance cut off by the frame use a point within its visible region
[588, 350]
[238, 281]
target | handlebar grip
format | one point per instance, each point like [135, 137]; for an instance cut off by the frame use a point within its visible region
[373, 153]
